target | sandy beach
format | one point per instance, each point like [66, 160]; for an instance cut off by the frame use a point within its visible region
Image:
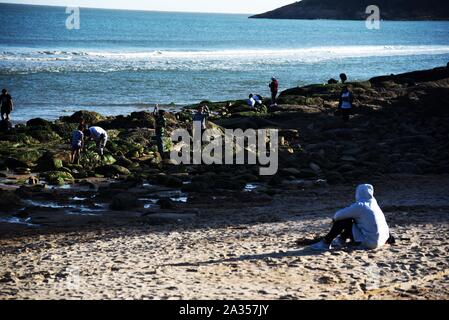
[237, 250]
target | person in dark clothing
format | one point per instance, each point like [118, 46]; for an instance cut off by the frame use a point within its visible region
[161, 123]
[345, 103]
[5, 126]
[200, 117]
[274, 87]
[7, 104]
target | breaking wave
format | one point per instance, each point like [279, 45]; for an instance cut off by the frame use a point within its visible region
[27, 61]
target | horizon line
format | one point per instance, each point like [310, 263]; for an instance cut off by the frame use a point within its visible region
[125, 9]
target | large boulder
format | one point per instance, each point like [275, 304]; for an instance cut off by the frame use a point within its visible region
[43, 134]
[9, 200]
[124, 162]
[38, 122]
[142, 119]
[52, 161]
[28, 156]
[12, 163]
[110, 170]
[58, 177]
[89, 117]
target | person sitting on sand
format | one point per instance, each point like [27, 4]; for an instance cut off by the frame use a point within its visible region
[345, 103]
[99, 135]
[7, 105]
[77, 143]
[363, 223]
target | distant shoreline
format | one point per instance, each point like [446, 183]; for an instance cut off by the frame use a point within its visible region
[124, 9]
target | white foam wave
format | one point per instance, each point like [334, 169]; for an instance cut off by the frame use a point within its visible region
[239, 59]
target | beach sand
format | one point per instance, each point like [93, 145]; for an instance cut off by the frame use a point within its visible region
[236, 249]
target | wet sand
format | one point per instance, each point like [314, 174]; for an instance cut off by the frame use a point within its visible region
[229, 248]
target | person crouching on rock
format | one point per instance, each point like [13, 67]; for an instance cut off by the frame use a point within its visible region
[363, 223]
[99, 135]
[345, 103]
[77, 143]
[7, 105]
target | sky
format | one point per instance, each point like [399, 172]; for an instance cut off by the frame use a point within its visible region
[224, 6]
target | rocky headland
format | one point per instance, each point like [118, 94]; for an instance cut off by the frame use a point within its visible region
[356, 10]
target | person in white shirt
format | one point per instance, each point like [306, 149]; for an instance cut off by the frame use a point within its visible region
[99, 135]
[363, 223]
[251, 101]
[345, 103]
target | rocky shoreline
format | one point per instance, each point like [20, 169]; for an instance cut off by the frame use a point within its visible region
[399, 126]
[186, 224]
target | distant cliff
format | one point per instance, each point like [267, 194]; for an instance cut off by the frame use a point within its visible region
[355, 10]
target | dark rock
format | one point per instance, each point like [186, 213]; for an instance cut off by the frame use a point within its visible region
[29, 156]
[123, 161]
[38, 122]
[125, 201]
[12, 163]
[114, 169]
[334, 178]
[43, 134]
[5, 126]
[142, 119]
[51, 161]
[173, 182]
[9, 200]
[165, 203]
[89, 117]
[58, 177]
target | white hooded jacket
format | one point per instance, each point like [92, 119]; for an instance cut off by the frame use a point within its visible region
[370, 227]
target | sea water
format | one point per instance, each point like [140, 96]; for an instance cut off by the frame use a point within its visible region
[121, 61]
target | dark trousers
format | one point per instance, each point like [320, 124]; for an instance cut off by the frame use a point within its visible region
[273, 97]
[345, 113]
[341, 228]
[5, 115]
[160, 145]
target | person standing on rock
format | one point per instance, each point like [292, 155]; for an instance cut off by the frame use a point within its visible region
[200, 117]
[345, 103]
[274, 87]
[363, 223]
[7, 105]
[161, 124]
[77, 143]
[99, 135]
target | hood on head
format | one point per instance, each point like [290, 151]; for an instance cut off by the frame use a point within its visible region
[364, 192]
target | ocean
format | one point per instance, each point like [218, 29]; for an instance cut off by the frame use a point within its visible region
[121, 61]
